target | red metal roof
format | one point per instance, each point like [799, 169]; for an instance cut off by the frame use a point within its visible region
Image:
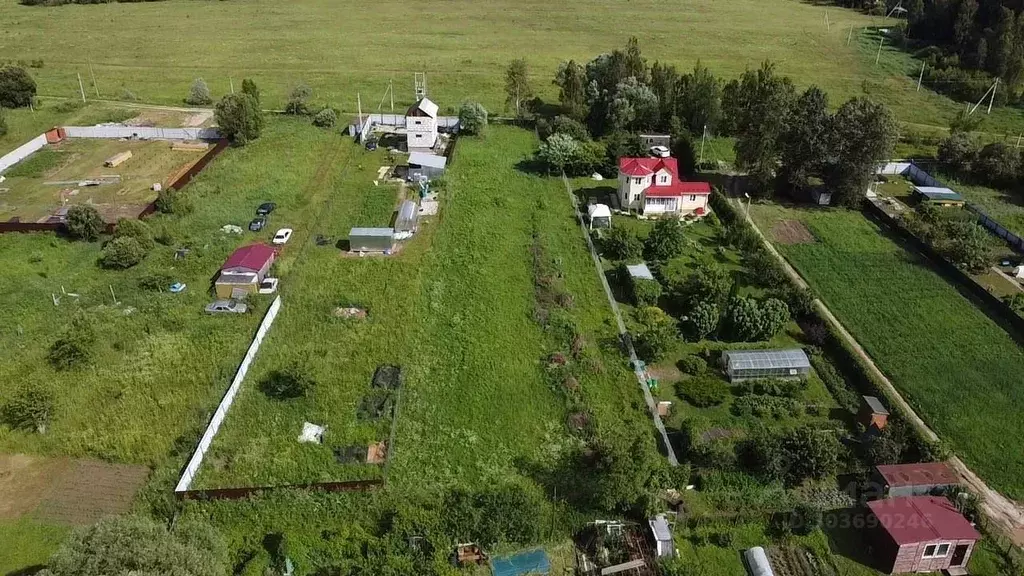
[253, 257]
[647, 166]
[922, 519]
[922, 474]
[678, 188]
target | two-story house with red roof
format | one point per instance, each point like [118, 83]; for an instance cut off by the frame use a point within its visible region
[652, 187]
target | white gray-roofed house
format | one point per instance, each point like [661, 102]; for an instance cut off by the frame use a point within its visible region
[640, 271]
[664, 545]
[424, 165]
[421, 125]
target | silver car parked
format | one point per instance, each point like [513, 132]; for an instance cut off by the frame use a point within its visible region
[226, 306]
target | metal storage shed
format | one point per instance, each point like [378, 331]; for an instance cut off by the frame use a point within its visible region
[938, 195]
[748, 364]
[423, 165]
[371, 239]
[408, 213]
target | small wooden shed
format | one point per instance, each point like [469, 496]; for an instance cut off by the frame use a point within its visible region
[872, 413]
[243, 271]
[921, 534]
[917, 479]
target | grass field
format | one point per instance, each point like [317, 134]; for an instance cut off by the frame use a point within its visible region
[32, 197]
[462, 47]
[160, 362]
[957, 367]
[448, 308]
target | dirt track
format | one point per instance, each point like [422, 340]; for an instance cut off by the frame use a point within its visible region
[1003, 512]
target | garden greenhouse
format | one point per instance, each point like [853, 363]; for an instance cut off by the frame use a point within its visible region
[749, 364]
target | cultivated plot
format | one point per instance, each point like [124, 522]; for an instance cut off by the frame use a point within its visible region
[959, 369]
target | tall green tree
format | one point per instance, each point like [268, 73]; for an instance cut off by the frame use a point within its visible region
[239, 117]
[698, 100]
[249, 87]
[963, 25]
[805, 140]
[864, 133]
[665, 83]
[634, 107]
[571, 80]
[634, 61]
[759, 107]
[17, 88]
[518, 88]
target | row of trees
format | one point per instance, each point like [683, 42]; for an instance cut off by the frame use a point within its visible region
[784, 140]
[995, 164]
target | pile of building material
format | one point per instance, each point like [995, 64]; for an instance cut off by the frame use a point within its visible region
[118, 159]
[186, 146]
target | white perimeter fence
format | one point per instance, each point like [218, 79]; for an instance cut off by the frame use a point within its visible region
[22, 152]
[142, 132]
[192, 469]
[396, 120]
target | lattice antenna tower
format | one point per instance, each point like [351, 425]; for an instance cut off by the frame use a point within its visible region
[420, 80]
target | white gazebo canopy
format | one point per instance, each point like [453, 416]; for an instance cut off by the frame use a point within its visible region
[599, 211]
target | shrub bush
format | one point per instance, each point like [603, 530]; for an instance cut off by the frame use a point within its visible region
[156, 282]
[472, 118]
[767, 406]
[199, 93]
[121, 253]
[703, 392]
[3, 122]
[74, 347]
[770, 387]
[171, 201]
[693, 365]
[84, 222]
[805, 519]
[137, 229]
[288, 383]
[666, 240]
[765, 270]
[29, 408]
[654, 333]
[239, 117]
[325, 118]
[298, 100]
[17, 88]
[702, 321]
[644, 292]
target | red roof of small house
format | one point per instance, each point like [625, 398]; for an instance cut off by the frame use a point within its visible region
[253, 257]
[678, 188]
[647, 166]
[922, 474]
[922, 519]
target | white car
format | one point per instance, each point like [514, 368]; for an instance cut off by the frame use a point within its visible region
[660, 151]
[282, 236]
[268, 286]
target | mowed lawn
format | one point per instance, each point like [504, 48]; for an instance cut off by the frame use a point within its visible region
[463, 47]
[956, 366]
[160, 363]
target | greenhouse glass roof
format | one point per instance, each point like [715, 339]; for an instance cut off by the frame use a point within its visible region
[766, 359]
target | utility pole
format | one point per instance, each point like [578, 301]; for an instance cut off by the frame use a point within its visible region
[359, 107]
[1018, 140]
[879, 54]
[391, 89]
[828, 25]
[993, 98]
[231, 81]
[850, 35]
[703, 135]
[94, 84]
[920, 77]
[81, 88]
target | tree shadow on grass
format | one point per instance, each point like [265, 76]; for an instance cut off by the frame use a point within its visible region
[27, 571]
[533, 167]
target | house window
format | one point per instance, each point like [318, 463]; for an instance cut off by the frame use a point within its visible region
[663, 179]
[936, 551]
[693, 197]
[417, 122]
[638, 181]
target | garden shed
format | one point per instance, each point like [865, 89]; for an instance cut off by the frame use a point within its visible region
[938, 196]
[918, 479]
[371, 239]
[872, 413]
[426, 166]
[742, 365]
[664, 546]
[408, 214]
[640, 271]
[921, 534]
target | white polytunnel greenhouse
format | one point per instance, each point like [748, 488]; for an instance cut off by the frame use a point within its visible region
[750, 364]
